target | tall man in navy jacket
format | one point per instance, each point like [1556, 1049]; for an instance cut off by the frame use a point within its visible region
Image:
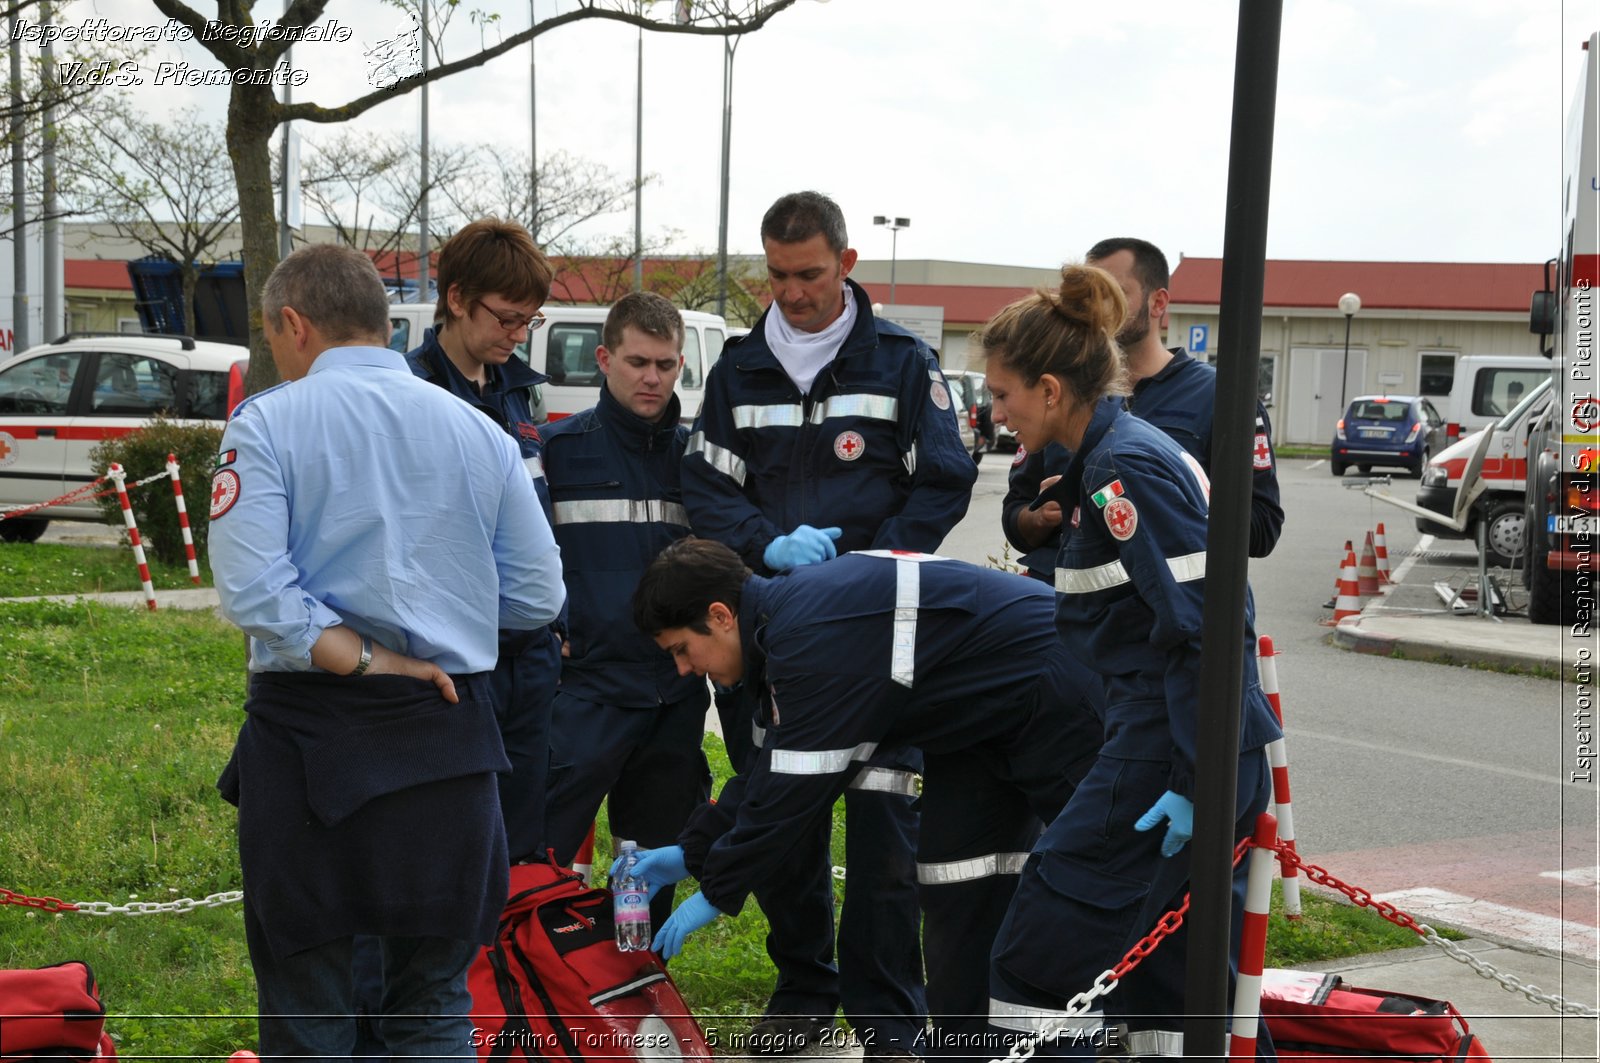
[625, 723]
[827, 429]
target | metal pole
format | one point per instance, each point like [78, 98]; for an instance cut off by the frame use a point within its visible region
[1255, 82]
[55, 311]
[533, 132]
[1344, 374]
[638, 169]
[285, 238]
[422, 208]
[20, 340]
[728, 45]
[894, 258]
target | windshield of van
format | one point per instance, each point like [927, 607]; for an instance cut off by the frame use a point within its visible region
[1539, 394]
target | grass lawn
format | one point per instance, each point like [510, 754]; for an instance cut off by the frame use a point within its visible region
[114, 723]
[56, 568]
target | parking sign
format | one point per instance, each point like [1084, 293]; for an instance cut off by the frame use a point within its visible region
[1198, 336]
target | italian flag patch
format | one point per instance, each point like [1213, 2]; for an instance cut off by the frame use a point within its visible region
[1107, 493]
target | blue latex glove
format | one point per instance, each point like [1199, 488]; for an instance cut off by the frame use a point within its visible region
[1178, 811]
[803, 546]
[658, 867]
[690, 916]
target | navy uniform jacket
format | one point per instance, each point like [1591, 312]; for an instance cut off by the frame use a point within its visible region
[1180, 400]
[506, 400]
[872, 449]
[881, 648]
[1130, 584]
[614, 482]
[1028, 471]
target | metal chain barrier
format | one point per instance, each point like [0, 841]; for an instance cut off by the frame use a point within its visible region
[102, 908]
[86, 493]
[1364, 899]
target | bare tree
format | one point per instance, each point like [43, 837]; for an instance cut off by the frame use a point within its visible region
[367, 186]
[691, 282]
[166, 185]
[572, 192]
[254, 112]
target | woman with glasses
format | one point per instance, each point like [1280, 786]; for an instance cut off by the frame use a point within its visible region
[1130, 582]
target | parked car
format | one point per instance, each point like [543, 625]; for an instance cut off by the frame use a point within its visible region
[1388, 430]
[972, 393]
[60, 400]
[1504, 475]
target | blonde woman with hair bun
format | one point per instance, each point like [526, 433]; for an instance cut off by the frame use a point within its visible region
[1130, 583]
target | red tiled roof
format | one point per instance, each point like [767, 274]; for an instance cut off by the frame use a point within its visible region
[963, 305]
[107, 274]
[1381, 285]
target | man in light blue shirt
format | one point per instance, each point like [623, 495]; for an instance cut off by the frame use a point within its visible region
[372, 584]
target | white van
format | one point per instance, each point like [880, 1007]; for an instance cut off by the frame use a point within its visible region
[1486, 387]
[564, 351]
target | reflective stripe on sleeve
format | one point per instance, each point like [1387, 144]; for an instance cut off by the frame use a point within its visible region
[1188, 567]
[1024, 1019]
[621, 511]
[971, 869]
[1087, 580]
[1153, 1043]
[1184, 569]
[819, 761]
[888, 781]
[721, 459]
[907, 598]
[535, 466]
[758, 735]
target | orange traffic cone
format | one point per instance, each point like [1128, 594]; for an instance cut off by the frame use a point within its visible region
[1338, 574]
[1367, 571]
[1349, 602]
[1383, 555]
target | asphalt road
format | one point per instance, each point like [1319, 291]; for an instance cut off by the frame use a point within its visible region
[1405, 774]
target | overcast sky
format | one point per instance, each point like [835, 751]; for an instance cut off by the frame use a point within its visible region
[1021, 131]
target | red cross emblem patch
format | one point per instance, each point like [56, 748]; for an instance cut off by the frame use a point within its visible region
[1020, 456]
[8, 448]
[1263, 453]
[849, 446]
[224, 492]
[1122, 520]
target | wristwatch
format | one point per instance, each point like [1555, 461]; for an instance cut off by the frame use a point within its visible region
[366, 658]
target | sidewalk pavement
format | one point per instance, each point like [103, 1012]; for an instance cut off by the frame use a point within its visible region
[187, 598]
[1467, 639]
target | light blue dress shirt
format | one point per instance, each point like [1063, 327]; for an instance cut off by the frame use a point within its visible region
[362, 495]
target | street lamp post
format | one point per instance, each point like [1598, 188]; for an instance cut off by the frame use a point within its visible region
[894, 225]
[1349, 303]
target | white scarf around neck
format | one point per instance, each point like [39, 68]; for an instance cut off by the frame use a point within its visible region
[805, 354]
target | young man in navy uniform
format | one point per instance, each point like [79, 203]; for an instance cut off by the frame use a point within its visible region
[492, 282]
[625, 723]
[371, 590]
[957, 660]
[1172, 390]
[828, 429]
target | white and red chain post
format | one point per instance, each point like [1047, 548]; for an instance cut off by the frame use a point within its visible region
[120, 479]
[1278, 759]
[183, 519]
[1253, 941]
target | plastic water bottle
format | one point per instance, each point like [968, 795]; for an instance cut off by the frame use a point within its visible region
[630, 902]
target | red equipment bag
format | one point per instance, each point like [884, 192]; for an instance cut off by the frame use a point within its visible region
[1317, 1016]
[554, 986]
[52, 1012]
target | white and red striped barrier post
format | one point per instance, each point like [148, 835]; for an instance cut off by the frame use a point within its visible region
[1253, 941]
[1278, 759]
[120, 479]
[183, 519]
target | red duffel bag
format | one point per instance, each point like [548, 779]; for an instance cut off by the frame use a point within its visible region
[1318, 1016]
[52, 1013]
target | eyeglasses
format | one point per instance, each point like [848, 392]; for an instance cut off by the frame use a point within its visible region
[516, 322]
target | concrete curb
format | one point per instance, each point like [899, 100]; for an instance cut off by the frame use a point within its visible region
[197, 598]
[1387, 636]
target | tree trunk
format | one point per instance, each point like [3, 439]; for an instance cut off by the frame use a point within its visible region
[189, 274]
[252, 117]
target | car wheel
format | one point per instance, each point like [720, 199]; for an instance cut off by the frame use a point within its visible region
[1364, 469]
[22, 529]
[1506, 533]
[1336, 467]
[1545, 590]
[1422, 463]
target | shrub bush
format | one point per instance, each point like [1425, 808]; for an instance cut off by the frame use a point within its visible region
[144, 453]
